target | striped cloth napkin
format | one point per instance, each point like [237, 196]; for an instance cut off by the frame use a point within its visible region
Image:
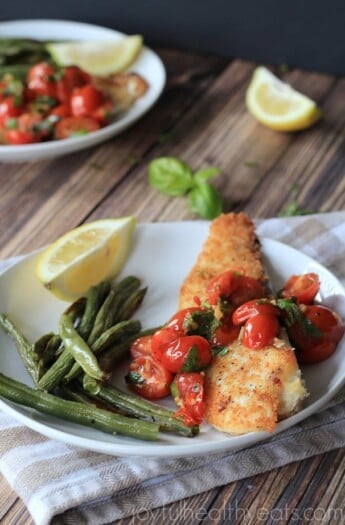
[61, 484]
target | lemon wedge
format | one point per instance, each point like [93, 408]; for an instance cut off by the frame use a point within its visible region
[97, 57]
[85, 256]
[277, 105]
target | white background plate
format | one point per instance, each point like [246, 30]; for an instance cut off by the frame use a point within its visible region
[162, 256]
[148, 64]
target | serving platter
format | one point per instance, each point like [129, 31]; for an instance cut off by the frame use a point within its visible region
[148, 65]
[162, 255]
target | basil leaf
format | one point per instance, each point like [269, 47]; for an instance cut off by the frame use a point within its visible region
[294, 315]
[192, 359]
[206, 201]
[170, 176]
[204, 174]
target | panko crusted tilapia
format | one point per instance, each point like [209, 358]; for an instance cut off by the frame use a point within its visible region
[246, 390]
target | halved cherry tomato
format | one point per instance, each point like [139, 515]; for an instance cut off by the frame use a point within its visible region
[179, 321]
[104, 112]
[42, 79]
[149, 378]
[162, 340]
[234, 287]
[303, 287]
[74, 126]
[189, 353]
[316, 339]
[86, 100]
[16, 136]
[252, 308]
[8, 109]
[72, 77]
[226, 332]
[260, 330]
[187, 390]
[141, 347]
[62, 110]
[220, 286]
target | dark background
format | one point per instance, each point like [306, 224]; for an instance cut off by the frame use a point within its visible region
[305, 33]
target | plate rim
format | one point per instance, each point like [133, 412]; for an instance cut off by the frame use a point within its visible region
[41, 150]
[139, 448]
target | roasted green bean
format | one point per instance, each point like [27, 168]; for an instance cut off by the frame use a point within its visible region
[77, 412]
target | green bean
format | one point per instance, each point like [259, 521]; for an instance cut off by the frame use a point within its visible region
[94, 300]
[41, 355]
[23, 346]
[76, 346]
[106, 315]
[131, 304]
[126, 329]
[136, 406]
[77, 412]
[61, 366]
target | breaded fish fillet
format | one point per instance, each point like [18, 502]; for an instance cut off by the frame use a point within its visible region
[231, 244]
[245, 390]
[250, 390]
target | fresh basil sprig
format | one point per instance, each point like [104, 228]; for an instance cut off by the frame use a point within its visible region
[173, 177]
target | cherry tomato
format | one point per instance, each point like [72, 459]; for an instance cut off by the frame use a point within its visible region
[187, 390]
[245, 289]
[189, 353]
[179, 321]
[86, 100]
[8, 109]
[303, 287]
[149, 378]
[17, 137]
[162, 340]
[62, 110]
[141, 347]
[72, 77]
[27, 130]
[253, 307]
[42, 79]
[234, 287]
[104, 113]
[226, 332]
[260, 330]
[316, 341]
[220, 286]
[75, 126]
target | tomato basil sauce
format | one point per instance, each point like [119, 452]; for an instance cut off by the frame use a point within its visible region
[51, 103]
[173, 360]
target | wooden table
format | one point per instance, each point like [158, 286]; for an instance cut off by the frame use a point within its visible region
[202, 119]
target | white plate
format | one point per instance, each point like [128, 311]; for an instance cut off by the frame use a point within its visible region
[149, 65]
[162, 256]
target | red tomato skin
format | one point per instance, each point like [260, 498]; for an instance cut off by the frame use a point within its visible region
[73, 77]
[141, 347]
[17, 137]
[178, 321]
[155, 379]
[224, 335]
[70, 126]
[234, 287]
[312, 349]
[8, 109]
[220, 286]
[86, 100]
[251, 308]
[41, 79]
[260, 330]
[175, 357]
[62, 110]
[317, 353]
[162, 340]
[189, 389]
[303, 287]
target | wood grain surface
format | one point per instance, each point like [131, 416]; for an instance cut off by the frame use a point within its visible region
[201, 118]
